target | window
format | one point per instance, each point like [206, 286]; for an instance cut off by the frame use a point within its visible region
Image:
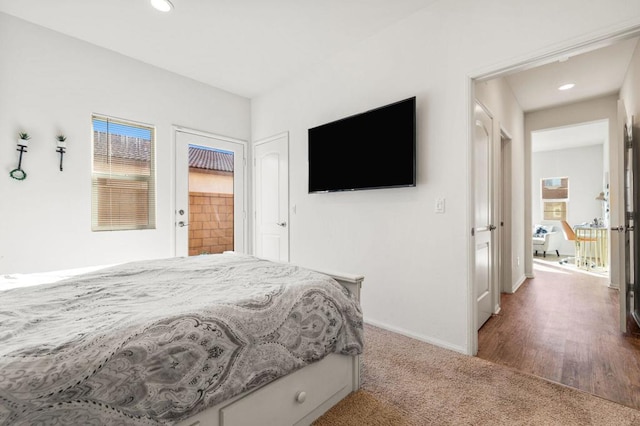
[123, 176]
[555, 210]
[555, 188]
[555, 198]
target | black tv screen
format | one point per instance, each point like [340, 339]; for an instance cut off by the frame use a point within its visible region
[374, 149]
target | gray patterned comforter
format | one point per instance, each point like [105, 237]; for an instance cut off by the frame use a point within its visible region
[155, 342]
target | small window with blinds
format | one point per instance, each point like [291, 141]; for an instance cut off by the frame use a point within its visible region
[123, 177]
[555, 210]
[555, 188]
[554, 193]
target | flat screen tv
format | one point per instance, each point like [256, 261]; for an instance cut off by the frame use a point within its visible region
[374, 149]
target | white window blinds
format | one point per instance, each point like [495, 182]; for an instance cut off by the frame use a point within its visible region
[123, 176]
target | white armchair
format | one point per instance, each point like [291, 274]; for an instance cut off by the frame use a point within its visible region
[546, 238]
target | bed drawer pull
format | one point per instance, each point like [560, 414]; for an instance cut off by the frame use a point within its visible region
[301, 397]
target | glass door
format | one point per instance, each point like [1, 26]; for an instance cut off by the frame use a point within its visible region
[209, 179]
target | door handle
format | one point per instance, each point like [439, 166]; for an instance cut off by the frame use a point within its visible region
[181, 224]
[492, 227]
[618, 228]
[282, 224]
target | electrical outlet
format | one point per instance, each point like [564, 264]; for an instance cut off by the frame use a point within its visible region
[439, 205]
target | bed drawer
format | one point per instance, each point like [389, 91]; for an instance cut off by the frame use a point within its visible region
[291, 398]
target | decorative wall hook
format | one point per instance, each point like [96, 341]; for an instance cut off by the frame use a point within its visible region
[62, 145]
[23, 142]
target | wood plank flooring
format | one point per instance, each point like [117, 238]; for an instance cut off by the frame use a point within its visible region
[563, 326]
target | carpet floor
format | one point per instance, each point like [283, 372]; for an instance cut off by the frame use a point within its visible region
[409, 382]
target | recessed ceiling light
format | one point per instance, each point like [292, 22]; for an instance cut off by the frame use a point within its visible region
[162, 5]
[567, 86]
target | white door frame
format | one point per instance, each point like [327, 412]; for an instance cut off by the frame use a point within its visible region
[174, 215]
[284, 134]
[550, 54]
[505, 191]
[616, 192]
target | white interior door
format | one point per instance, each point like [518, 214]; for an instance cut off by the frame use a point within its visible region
[271, 172]
[184, 231]
[483, 227]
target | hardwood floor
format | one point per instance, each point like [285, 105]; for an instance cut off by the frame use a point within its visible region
[563, 326]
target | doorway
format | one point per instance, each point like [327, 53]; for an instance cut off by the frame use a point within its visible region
[570, 186]
[210, 194]
[521, 251]
[568, 352]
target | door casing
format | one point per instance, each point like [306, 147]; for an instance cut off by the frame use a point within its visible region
[617, 261]
[505, 281]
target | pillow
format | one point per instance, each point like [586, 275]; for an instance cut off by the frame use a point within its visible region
[540, 231]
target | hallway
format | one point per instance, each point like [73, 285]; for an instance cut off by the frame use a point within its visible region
[563, 326]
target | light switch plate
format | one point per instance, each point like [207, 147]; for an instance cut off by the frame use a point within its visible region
[439, 205]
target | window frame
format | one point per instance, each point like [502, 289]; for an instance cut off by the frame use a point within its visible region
[566, 209]
[151, 179]
[544, 201]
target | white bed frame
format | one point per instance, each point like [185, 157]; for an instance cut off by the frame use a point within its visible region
[296, 399]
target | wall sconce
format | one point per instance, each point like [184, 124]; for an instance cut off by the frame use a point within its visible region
[601, 197]
[62, 146]
[23, 142]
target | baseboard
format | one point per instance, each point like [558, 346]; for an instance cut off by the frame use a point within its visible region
[431, 340]
[521, 281]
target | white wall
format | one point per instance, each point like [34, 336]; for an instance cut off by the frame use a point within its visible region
[497, 96]
[416, 261]
[583, 166]
[51, 83]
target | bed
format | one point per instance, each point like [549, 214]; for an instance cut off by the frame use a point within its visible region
[223, 339]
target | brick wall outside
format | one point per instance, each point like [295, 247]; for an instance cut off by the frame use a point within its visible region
[210, 223]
